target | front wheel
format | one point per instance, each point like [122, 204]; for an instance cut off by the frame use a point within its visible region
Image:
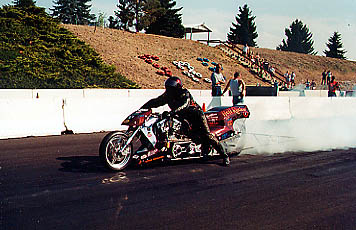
[111, 152]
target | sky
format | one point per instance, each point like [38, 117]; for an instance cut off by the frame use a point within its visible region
[322, 17]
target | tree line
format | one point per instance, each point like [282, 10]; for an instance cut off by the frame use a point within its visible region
[162, 18]
[299, 38]
[153, 16]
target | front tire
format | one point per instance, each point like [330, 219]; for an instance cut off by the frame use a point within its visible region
[110, 151]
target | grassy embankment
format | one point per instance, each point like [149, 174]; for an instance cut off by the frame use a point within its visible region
[35, 52]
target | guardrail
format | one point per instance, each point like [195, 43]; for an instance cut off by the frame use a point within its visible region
[52, 112]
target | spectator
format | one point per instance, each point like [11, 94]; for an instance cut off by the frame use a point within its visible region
[245, 50]
[307, 84]
[286, 76]
[275, 85]
[333, 86]
[257, 56]
[257, 59]
[265, 65]
[272, 71]
[323, 78]
[313, 85]
[328, 77]
[284, 87]
[292, 79]
[252, 58]
[217, 79]
[238, 89]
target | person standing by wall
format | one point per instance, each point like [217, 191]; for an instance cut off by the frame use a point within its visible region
[292, 79]
[217, 79]
[323, 78]
[286, 77]
[238, 89]
[333, 86]
[328, 77]
[313, 85]
[245, 50]
[307, 84]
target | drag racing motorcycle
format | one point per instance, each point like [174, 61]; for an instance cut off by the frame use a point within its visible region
[153, 136]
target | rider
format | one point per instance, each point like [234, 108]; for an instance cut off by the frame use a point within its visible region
[181, 102]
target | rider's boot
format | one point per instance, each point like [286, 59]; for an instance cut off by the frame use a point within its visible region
[223, 154]
[226, 161]
[205, 153]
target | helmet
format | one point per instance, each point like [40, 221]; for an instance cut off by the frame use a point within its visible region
[173, 83]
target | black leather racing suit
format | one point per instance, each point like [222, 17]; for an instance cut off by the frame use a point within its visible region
[183, 104]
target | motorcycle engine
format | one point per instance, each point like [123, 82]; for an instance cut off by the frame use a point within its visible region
[169, 129]
[185, 149]
[174, 131]
[175, 127]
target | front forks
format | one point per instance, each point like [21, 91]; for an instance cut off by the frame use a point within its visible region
[131, 137]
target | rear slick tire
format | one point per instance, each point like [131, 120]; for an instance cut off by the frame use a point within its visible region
[109, 153]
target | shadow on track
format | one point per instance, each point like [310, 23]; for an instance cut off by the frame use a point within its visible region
[92, 164]
[80, 164]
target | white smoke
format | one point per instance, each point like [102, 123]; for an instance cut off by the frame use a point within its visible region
[299, 135]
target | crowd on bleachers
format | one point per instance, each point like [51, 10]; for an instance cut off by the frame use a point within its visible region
[255, 63]
[264, 71]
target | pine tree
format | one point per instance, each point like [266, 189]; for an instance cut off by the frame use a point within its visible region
[125, 14]
[131, 13]
[113, 22]
[72, 11]
[101, 19]
[299, 39]
[168, 21]
[335, 47]
[244, 31]
[152, 11]
[24, 3]
[83, 12]
[137, 6]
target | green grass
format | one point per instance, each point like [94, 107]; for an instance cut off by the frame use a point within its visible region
[35, 52]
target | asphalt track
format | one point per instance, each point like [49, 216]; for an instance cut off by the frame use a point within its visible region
[58, 183]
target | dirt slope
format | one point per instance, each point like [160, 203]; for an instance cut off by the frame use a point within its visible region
[311, 66]
[122, 49]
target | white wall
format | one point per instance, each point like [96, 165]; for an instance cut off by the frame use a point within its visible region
[28, 117]
[16, 94]
[49, 112]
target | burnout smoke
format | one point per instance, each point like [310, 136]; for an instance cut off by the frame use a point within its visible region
[296, 135]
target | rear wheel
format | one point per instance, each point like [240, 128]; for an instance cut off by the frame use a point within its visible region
[111, 152]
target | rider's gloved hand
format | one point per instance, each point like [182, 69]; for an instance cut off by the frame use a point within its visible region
[166, 114]
[172, 113]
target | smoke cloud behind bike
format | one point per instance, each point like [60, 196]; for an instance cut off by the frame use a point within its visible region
[300, 135]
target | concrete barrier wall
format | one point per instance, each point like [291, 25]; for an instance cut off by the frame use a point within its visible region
[288, 93]
[93, 93]
[94, 110]
[95, 115]
[316, 93]
[57, 93]
[351, 93]
[16, 94]
[268, 108]
[306, 108]
[28, 117]
[302, 107]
